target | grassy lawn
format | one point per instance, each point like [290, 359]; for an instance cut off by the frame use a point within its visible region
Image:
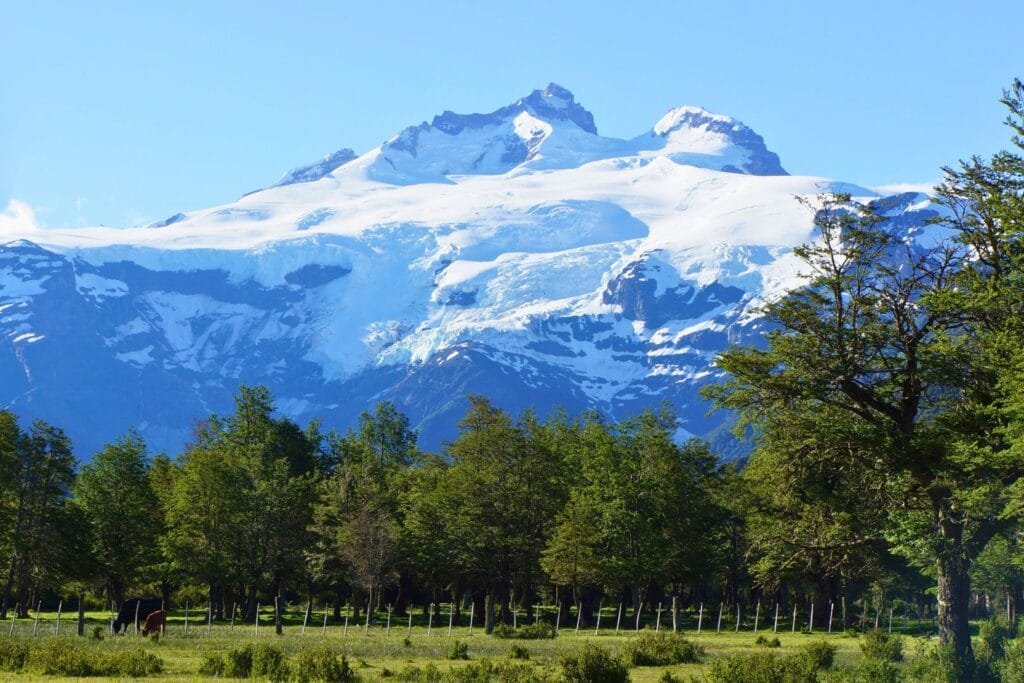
[375, 653]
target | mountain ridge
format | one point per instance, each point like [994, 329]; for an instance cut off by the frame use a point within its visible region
[516, 253]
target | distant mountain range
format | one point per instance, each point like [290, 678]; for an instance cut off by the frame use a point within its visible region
[517, 254]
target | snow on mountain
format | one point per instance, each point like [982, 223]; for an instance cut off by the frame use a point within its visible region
[517, 254]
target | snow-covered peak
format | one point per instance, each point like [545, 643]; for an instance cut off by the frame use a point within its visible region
[316, 171]
[694, 135]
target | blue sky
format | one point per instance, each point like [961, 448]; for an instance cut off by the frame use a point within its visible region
[127, 112]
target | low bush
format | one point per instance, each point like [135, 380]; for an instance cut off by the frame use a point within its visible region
[238, 661]
[481, 671]
[321, 664]
[13, 654]
[269, 662]
[535, 631]
[131, 664]
[1011, 669]
[661, 649]
[819, 653]
[993, 635]
[873, 671]
[937, 665]
[881, 646]
[517, 652]
[65, 657]
[212, 665]
[762, 641]
[592, 664]
[762, 667]
[459, 650]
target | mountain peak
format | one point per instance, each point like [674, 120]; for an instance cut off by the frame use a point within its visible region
[555, 103]
[687, 129]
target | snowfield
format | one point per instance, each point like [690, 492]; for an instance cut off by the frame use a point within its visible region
[517, 254]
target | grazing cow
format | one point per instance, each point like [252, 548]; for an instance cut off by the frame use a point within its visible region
[129, 608]
[154, 623]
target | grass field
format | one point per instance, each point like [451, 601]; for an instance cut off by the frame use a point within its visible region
[376, 654]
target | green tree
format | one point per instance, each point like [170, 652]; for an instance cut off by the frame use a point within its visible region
[871, 370]
[114, 492]
[42, 531]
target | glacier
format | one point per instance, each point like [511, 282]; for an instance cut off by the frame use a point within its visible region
[517, 254]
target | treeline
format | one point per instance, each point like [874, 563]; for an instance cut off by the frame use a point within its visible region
[515, 511]
[573, 511]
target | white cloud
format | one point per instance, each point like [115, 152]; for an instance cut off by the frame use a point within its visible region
[17, 220]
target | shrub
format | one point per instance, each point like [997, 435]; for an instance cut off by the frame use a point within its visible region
[667, 677]
[535, 631]
[98, 632]
[593, 664]
[13, 654]
[212, 665]
[819, 653]
[661, 649]
[992, 636]
[61, 657]
[762, 667]
[937, 665]
[768, 642]
[881, 646]
[238, 662]
[269, 662]
[874, 671]
[65, 657]
[323, 665]
[135, 663]
[851, 633]
[518, 652]
[1012, 668]
[459, 650]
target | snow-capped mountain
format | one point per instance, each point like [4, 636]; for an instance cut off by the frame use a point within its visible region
[517, 254]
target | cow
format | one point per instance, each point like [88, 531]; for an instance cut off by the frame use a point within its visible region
[154, 623]
[140, 607]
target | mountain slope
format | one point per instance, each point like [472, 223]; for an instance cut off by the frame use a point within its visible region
[517, 254]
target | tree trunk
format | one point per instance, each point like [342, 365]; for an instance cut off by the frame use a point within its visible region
[954, 589]
[81, 614]
[250, 604]
[489, 611]
[277, 616]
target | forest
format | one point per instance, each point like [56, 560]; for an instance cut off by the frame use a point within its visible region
[885, 410]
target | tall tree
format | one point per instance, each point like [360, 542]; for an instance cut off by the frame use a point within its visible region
[114, 492]
[42, 479]
[871, 369]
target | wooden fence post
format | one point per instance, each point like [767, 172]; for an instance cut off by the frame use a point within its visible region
[794, 618]
[639, 612]
[618, 619]
[579, 615]
[757, 615]
[60, 605]
[718, 628]
[35, 626]
[831, 613]
[597, 627]
[700, 618]
[305, 617]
